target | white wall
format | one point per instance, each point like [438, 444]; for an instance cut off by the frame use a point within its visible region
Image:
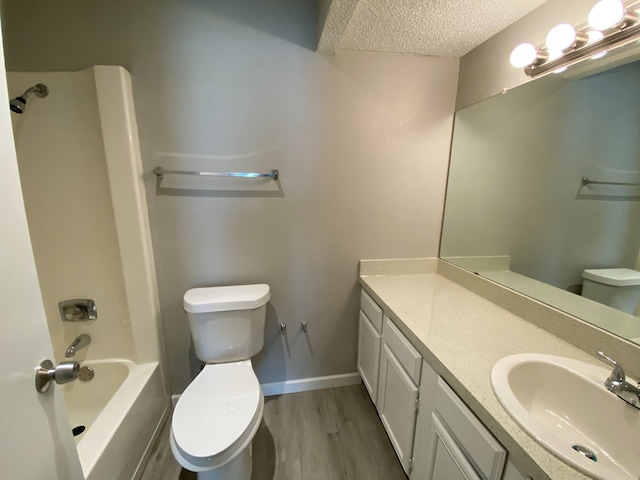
[361, 141]
[516, 170]
[66, 192]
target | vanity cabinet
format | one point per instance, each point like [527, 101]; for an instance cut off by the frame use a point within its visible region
[434, 434]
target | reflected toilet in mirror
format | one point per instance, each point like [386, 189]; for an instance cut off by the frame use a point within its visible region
[617, 287]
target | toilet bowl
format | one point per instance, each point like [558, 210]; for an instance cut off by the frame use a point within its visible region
[219, 413]
[216, 418]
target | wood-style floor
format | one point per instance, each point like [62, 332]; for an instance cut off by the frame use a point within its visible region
[320, 435]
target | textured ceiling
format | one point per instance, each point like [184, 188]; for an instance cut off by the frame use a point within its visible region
[444, 28]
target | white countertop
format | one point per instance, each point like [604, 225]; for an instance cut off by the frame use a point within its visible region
[462, 335]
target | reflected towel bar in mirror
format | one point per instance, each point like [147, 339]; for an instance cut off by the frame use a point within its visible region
[161, 172]
[588, 181]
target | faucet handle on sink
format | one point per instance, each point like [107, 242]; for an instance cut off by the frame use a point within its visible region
[617, 384]
[618, 373]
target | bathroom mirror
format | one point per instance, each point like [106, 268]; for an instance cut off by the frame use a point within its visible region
[517, 210]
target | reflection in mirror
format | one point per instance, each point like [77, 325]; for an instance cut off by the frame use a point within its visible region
[518, 211]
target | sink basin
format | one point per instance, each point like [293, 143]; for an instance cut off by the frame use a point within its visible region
[563, 404]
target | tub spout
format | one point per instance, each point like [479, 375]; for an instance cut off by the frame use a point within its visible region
[80, 342]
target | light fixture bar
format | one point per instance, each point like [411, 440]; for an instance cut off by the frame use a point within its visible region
[612, 41]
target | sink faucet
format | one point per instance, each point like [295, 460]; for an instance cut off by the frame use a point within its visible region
[617, 384]
[80, 342]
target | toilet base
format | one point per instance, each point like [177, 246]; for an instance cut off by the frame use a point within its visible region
[237, 469]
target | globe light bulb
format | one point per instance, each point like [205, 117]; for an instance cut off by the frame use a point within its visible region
[607, 14]
[524, 55]
[561, 38]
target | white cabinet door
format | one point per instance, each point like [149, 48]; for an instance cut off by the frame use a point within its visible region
[368, 355]
[423, 449]
[445, 467]
[449, 463]
[512, 473]
[397, 404]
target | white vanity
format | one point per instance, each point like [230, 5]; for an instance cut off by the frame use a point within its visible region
[432, 431]
[426, 349]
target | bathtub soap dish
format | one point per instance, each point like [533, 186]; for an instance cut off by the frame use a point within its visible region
[78, 310]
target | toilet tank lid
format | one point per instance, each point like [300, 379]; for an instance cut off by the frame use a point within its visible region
[619, 277]
[225, 299]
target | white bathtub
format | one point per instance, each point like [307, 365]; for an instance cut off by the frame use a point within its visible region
[121, 408]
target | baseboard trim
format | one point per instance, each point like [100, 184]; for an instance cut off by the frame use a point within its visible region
[301, 385]
[308, 384]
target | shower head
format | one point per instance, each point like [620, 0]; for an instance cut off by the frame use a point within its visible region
[18, 104]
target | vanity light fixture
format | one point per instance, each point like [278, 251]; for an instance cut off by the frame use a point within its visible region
[611, 25]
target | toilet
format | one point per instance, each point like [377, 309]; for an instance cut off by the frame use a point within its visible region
[219, 413]
[617, 287]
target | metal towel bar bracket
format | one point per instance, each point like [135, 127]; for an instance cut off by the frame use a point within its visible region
[588, 181]
[273, 174]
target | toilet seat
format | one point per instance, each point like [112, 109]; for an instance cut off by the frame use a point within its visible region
[217, 416]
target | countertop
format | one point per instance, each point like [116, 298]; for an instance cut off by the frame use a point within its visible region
[462, 335]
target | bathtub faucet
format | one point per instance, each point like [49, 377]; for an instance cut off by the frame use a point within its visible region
[80, 342]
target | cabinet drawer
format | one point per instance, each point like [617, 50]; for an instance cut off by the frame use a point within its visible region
[407, 356]
[479, 445]
[372, 310]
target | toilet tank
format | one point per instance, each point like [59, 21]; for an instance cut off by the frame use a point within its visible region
[617, 287]
[227, 323]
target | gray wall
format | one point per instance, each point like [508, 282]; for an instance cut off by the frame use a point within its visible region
[361, 140]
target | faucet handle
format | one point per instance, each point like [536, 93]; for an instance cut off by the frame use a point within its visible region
[618, 373]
